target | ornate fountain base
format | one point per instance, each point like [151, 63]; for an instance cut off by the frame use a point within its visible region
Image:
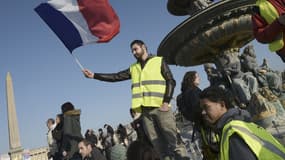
[219, 27]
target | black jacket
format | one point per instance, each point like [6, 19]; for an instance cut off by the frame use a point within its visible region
[238, 149]
[190, 105]
[71, 132]
[126, 75]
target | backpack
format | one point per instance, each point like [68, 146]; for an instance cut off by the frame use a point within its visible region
[188, 104]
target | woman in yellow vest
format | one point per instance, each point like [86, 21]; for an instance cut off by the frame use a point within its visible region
[152, 89]
[239, 138]
[269, 24]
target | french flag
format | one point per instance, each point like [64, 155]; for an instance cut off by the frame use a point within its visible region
[80, 22]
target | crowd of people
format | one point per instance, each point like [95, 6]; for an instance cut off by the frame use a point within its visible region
[248, 91]
[220, 114]
[229, 117]
[65, 140]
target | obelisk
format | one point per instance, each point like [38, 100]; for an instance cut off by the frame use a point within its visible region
[15, 150]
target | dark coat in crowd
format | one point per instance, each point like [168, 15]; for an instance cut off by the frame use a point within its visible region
[95, 155]
[189, 104]
[71, 130]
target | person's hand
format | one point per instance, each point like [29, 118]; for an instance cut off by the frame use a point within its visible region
[281, 20]
[87, 73]
[164, 107]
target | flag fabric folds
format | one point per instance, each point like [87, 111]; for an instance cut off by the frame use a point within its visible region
[80, 22]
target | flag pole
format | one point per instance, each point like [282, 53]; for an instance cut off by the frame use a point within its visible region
[77, 62]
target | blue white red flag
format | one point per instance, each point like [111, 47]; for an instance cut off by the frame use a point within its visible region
[80, 22]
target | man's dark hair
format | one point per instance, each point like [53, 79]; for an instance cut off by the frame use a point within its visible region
[217, 94]
[86, 142]
[139, 42]
[91, 137]
[67, 106]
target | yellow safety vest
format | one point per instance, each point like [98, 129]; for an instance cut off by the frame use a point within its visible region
[148, 85]
[269, 13]
[262, 143]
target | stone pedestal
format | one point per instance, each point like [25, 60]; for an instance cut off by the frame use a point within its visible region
[16, 154]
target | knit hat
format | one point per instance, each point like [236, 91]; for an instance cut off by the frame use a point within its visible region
[67, 107]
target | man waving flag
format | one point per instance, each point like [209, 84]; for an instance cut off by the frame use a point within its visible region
[80, 22]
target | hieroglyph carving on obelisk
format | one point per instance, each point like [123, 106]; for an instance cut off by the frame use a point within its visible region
[15, 151]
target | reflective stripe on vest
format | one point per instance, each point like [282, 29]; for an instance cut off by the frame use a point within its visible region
[262, 143]
[148, 85]
[269, 13]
